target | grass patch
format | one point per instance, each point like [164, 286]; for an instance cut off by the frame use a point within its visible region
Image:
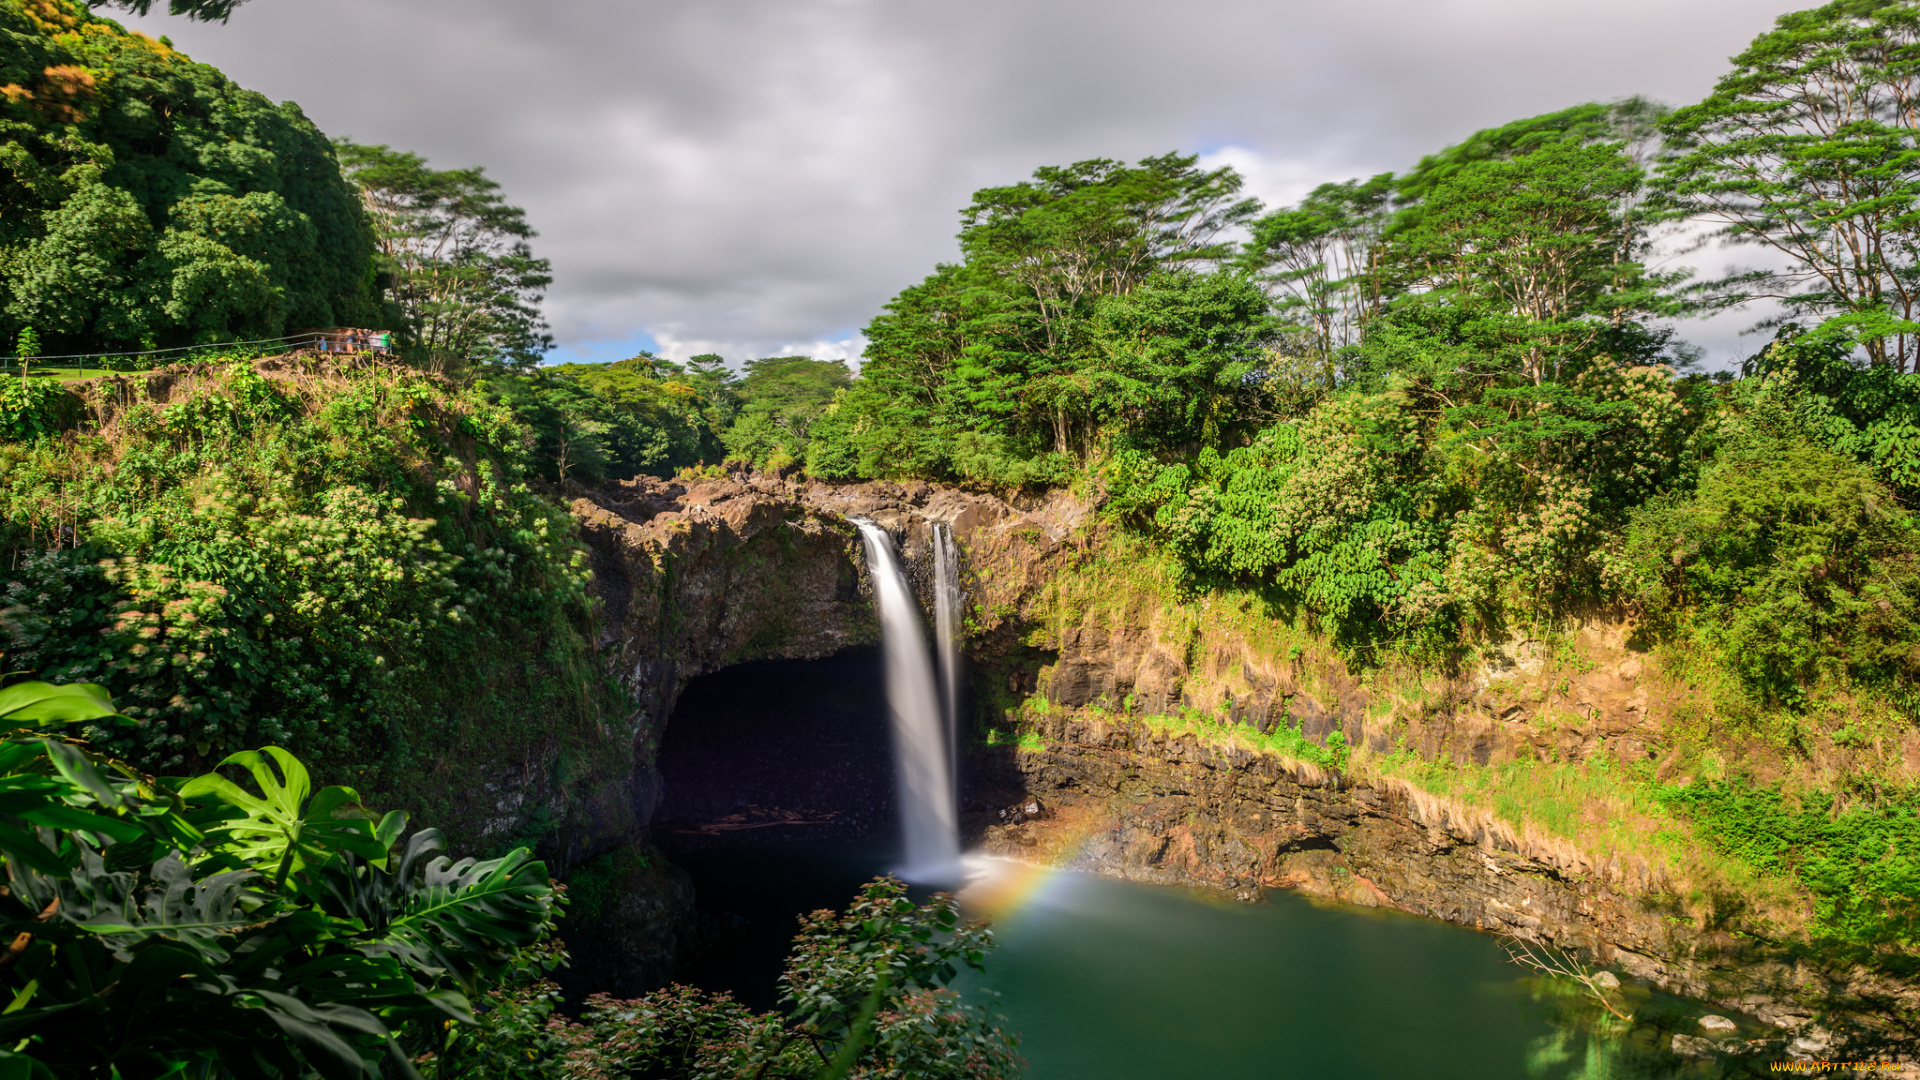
[1612, 812]
[1284, 740]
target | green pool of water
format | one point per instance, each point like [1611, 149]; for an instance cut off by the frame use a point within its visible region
[1107, 980]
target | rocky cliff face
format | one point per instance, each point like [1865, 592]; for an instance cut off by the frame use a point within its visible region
[694, 576]
[1500, 713]
[697, 575]
[1593, 696]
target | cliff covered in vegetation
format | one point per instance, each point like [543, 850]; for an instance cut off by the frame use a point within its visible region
[340, 556]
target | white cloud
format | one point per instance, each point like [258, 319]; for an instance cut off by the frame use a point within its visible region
[847, 349]
[1275, 180]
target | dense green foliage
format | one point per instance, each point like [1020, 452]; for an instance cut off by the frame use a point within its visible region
[254, 927]
[780, 399]
[1859, 858]
[147, 201]
[1080, 305]
[1793, 563]
[260, 930]
[299, 559]
[597, 422]
[862, 996]
[1500, 410]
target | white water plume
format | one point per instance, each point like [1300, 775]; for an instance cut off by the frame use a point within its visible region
[946, 634]
[921, 762]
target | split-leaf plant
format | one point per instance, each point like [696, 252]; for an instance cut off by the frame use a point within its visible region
[209, 927]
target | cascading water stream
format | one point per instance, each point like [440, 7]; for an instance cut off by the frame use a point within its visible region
[946, 635]
[920, 744]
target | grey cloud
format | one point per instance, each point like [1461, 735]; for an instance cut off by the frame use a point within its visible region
[760, 173]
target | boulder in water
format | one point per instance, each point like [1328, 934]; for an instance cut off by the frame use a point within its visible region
[1692, 1046]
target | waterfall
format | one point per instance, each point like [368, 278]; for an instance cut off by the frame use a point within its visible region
[921, 760]
[946, 635]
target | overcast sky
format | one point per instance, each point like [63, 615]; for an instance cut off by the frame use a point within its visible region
[756, 177]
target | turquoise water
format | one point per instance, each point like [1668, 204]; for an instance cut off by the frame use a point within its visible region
[1107, 980]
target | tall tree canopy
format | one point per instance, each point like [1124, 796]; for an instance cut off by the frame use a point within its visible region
[145, 200]
[1055, 244]
[1810, 146]
[1321, 261]
[461, 266]
[1536, 238]
[779, 398]
[999, 356]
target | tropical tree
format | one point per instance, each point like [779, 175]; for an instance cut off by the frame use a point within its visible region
[1181, 358]
[1052, 246]
[128, 218]
[1809, 148]
[595, 422]
[717, 385]
[1321, 260]
[908, 405]
[780, 398]
[1536, 238]
[461, 269]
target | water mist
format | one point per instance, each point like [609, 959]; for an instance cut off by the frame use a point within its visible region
[920, 741]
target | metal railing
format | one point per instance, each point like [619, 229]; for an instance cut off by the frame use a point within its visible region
[146, 359]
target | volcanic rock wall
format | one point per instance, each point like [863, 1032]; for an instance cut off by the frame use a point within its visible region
[695, 576]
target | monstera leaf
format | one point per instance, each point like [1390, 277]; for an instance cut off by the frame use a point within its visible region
[204, 914]
[282, 831]
[49, 785]
[205, 965]
[30, 704]
[467, 918]
[130, 946]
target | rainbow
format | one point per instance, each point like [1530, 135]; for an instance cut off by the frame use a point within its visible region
[997, 886]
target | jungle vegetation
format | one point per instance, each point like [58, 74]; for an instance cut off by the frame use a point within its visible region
[1418, 413]
[146, 201]
[240, 923]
